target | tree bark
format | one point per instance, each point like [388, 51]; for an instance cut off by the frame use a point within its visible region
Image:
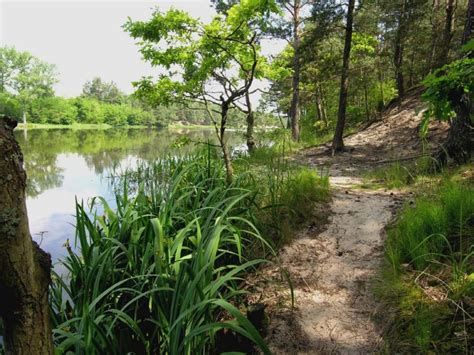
[447, 34]
[469, 27]
[25, 268]
[399, 51]
[223, 143]
[295, 100]
[337, 143]
[250, 124]
[434, 34]
[459, 144]
[321, 111]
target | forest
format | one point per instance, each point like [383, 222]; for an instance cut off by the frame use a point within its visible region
[326, 207]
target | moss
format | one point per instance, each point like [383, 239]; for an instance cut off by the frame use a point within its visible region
[9, 222]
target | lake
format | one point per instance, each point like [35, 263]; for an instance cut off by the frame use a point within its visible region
[65, 164]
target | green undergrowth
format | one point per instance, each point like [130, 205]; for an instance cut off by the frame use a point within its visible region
[428, 280]
[398, 174]
[160, 268]
[291, 197]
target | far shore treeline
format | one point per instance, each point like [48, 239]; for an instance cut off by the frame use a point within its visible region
[27, 94]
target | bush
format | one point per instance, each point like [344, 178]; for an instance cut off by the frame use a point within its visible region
[53, 110]
[89, 110]
[10, 106]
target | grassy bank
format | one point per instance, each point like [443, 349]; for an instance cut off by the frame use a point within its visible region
[428, 280]
[21, 126]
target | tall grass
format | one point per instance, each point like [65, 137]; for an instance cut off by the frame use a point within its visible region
[289, 196]
[158, 270]
[438, 225]
[429, 281]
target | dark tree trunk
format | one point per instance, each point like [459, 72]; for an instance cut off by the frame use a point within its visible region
[250, 124]
[366, 97]
[447, 34]
[25, 268]
[469, 27]
[337, 143]
[223, 143]
[434, 34]
[460, 142]
[295, 100]
[399, 51]
[411, 74]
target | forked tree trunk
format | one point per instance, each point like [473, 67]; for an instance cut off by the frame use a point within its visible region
[24, 267]
[337, 142]
[295, 100]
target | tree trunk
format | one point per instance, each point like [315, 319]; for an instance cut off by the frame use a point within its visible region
[398, 53]
[337, 143]
[250, 123]
[469, 27]
[447, 34]
[411, 71]
[434, 34]
[320, 106]
[295, 100]
[323, 105]
[459, 144]
[366, 96]
[223, 143]
[460, 141]
[382, 94]
[25, 268]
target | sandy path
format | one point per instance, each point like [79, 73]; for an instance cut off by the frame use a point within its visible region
[332, 273]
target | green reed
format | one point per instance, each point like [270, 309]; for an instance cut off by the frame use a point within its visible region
[158, 270]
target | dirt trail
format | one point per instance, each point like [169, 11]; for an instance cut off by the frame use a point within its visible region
[333, 271]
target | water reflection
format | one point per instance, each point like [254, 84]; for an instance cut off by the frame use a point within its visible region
[64, 164]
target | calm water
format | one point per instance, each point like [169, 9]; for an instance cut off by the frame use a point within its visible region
[64, 164]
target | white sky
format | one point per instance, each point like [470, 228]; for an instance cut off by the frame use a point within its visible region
[84, 39]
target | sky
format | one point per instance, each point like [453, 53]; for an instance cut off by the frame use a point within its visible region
[84, 39]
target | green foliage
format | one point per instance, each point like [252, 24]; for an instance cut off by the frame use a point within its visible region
[25, 76]
[445, 87]
[54, 110]
[156, 272]
[9, 105]
[223, 52]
